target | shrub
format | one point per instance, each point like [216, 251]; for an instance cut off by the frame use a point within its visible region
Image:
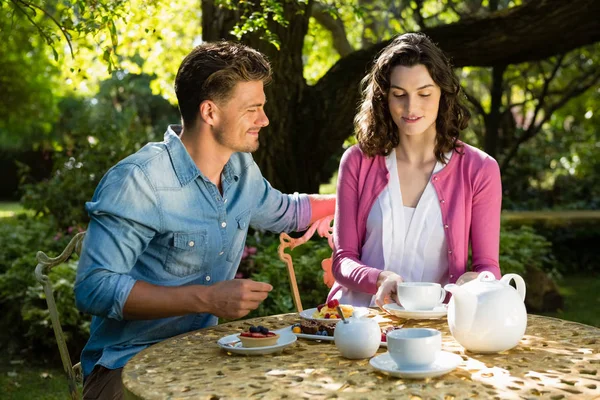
[25, 323]
[522, 247]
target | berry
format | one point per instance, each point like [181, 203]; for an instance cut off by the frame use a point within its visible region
[333, 303]
[320, 306]
[254, 329]
[257, 335]
[263, 330]
[383, 337]
[327, 315]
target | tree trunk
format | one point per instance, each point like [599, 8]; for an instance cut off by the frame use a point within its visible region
[492, 120]
[310, 123]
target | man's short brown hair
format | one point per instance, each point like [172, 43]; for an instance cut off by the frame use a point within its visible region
[211, 71]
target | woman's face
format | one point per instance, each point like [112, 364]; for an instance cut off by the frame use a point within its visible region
[414, 100]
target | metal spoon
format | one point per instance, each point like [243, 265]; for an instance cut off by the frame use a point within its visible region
[339, 310]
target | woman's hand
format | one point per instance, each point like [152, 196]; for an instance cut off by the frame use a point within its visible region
[387, 284]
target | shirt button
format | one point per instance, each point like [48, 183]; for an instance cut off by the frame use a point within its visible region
[207, 278]
[435, 178]
[221, 253]
[223, 224]
[225, 201]
[191, 243]
[451, 276]
[449, 251]
[446, 226]
[442, 201]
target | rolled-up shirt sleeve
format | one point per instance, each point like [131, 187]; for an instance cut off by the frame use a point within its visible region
[124, 217]
[276, 211]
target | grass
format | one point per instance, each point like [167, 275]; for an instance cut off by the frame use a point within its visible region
[581, 294]
[24, 380]
[10, 209]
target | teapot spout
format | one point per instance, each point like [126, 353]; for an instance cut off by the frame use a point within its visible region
[465, 306]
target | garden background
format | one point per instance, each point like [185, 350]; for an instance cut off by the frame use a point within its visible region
[85, 83]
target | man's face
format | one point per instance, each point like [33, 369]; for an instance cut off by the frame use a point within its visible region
[239, 119]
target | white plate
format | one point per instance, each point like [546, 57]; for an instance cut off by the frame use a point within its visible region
[308, 314]
[399, 311]
[326, 338]
[232, 344]
[444, 363]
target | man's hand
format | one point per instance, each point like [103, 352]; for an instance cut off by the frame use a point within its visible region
[388, 287]
[235, 298]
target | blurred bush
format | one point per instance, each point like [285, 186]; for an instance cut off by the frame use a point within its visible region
[25, 321]
[95, 133]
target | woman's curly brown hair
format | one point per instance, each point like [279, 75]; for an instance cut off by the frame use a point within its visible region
[375, 129]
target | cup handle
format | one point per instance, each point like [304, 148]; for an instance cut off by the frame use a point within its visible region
[442, 296]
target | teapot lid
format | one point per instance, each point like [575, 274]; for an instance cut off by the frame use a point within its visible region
[485, 282]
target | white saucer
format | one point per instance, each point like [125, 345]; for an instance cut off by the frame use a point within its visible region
[308, 314]
[232, 344]
[399, 311]
[444, 363]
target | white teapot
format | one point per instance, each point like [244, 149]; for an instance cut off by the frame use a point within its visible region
[487, 315]
[357, 337]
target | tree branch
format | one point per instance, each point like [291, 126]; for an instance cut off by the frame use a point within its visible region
[531, 129]
[549, 110]
[418, 14]
[335, 26]
[58, 25]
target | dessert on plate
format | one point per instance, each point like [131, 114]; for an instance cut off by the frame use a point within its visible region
[329, 310]
[258, 336]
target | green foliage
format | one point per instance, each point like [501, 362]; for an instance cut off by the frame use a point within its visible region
[35, 312]
[521, 248]
[24, 323]
[28, 105]
[96, 134]
[574, 237]
[307, 266]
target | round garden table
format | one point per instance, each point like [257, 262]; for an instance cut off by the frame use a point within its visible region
[556, 359]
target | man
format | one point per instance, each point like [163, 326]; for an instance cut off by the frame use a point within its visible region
[169, 223]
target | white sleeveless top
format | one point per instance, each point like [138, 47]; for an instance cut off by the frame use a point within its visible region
[408, 241]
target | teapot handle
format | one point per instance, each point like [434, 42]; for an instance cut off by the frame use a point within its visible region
[518, 280]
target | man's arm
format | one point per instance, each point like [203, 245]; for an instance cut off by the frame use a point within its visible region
[228, 299]
[124, 219]
[321, 206]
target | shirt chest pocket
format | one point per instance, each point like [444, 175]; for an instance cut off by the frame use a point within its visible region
[187, 253]
[239, 236]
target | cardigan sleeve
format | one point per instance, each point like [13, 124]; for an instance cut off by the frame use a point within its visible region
[485, 218]
[347, 268]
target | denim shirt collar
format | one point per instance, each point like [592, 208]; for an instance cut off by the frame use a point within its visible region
[185, 168]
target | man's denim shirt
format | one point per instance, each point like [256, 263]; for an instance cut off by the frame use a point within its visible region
[156, 218]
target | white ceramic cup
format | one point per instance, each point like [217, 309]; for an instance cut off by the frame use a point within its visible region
[420, 296]
[414, 347]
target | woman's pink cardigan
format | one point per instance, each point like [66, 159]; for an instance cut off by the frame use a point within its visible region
[470, 195]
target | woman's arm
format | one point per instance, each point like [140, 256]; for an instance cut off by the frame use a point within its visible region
[485, 218]
[347, 268]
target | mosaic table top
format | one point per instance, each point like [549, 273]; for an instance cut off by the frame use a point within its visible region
[556, 359]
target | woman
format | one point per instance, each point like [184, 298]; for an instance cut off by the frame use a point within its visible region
[411, 197]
